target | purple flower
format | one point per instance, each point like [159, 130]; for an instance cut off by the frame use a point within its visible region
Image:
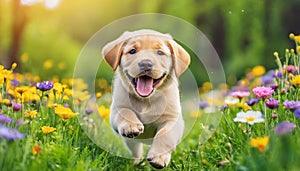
[252, 102]
[10, 133]
[274, 87]
[88, 111]
[272, 103]
[292, 105]
[15, 82]
[267, 80]
[66, 105]
[17, 106]
[284, 128]
[297, 113]
[225, 106]
[44, 86]
[277, 74]
[203, 104]
[4, 119]
[263, 92]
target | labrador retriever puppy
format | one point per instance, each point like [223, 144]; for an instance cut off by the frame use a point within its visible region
[146, 103]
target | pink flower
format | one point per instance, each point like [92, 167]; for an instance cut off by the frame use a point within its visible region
[240, 94]
[263, 92]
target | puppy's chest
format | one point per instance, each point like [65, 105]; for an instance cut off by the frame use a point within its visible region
[149, 111]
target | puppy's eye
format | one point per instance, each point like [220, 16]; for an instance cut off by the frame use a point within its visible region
[132, 51]
[159, 52]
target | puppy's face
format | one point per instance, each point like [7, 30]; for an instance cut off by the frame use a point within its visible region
[145, 59]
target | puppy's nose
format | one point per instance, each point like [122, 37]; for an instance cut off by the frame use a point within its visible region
[145, 65]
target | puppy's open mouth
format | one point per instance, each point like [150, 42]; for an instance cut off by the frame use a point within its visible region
[145, 84]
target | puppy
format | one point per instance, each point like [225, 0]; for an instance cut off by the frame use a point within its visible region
[146, 103]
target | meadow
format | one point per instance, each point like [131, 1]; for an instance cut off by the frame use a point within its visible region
[258, 128]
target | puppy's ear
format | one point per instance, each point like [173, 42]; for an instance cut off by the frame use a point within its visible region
[181, 58]
[112, 52]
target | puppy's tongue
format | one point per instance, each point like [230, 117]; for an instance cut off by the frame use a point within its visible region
[144, 85]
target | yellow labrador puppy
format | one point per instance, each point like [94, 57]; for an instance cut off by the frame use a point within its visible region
[145, 104]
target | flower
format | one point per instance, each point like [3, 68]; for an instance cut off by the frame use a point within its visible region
[244, 106]
[290, 69]
[47, 129]
[263, 92]
[274, 115]
[258, 71]
[267, 79]
[44, 86]
[250, 117]
[103, 111]
[272, 103]
[296, 81]
[48, 64]
[252, 101]
[260, 143]
[229, 100]
[30, 113]
[284, 128]
[292, 105]
[36, 150]
[5, 119]
[203, 104]
[297, 38]
[10, 133]
[63, 112]
[240, 94]
[17, 106]
[7, 102]
[99, 95]
[297, 113]
[22, 89]
[88, 111]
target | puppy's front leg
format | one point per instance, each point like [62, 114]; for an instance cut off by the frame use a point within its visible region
[165, 141]
[127, 123]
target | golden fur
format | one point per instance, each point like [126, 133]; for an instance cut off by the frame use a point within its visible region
[138, 114]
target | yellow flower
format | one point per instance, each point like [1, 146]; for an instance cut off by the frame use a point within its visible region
[297, 38]
[14, 66]
[103, 111]
[8, 74]
[258, 71]
[206, 86]
[7, 102]
[296, 80]
[298, 49]
[24, 57]
[36, 150]
[99, 95]
[48, 64]
[31, 114]
[260, 143]
[63, 112]
[22, 89]
[1, 79]
[244, 106]
[47, 129]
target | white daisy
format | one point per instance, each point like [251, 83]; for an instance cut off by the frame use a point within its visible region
[250, 117]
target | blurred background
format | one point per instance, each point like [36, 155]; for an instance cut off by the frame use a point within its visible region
[45, 37]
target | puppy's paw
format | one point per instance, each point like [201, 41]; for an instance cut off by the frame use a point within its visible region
[130, 129]
[159, 161]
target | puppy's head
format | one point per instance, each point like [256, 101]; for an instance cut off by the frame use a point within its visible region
[145, 59]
